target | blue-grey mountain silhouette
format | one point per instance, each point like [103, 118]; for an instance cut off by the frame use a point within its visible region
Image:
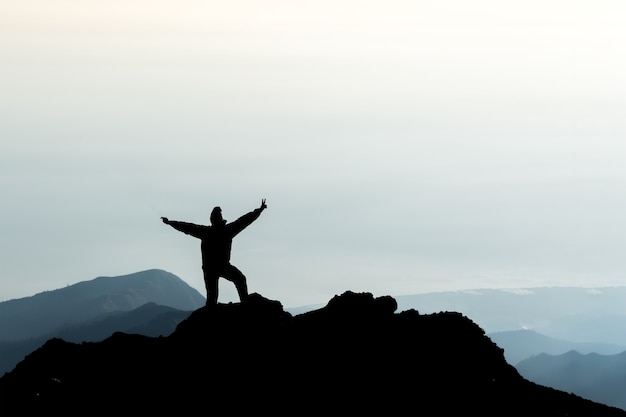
[523, 344]
[216, 246]
[46, 312]
[600, 378]
[149, 302]
[354, 356]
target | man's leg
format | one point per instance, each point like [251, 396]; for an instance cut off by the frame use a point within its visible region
[235, 276]
[210, 282]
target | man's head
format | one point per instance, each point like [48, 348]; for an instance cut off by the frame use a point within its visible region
[216, 217]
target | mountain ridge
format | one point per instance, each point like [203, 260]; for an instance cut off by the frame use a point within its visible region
[150, 319]
[601, 378]
[154, 300]
[354, 356]
[45, 312]
[523, 344]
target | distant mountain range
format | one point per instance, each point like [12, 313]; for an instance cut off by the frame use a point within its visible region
[523, 344]
[49, 311]
[600, 378]
[582, 315]
[150, 303]
[355, 356]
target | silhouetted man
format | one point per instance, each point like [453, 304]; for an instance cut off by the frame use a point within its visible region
[216, 244]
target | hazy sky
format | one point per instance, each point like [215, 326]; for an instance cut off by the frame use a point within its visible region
[402, 146]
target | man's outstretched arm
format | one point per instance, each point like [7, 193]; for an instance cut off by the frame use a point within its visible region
[245, 220]
[192, 229]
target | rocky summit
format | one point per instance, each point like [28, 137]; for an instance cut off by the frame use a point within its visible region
[354, 356]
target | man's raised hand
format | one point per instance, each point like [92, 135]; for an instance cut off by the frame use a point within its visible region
[263, 205]
[165, 220]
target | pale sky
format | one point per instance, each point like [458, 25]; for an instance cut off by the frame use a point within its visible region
[402, 146]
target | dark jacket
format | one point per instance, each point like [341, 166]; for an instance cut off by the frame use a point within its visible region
[216, 239]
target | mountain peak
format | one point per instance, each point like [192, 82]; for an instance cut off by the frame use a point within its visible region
[46, 312]
[355, 355]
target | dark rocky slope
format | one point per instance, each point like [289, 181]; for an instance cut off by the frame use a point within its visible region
[355, 356]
